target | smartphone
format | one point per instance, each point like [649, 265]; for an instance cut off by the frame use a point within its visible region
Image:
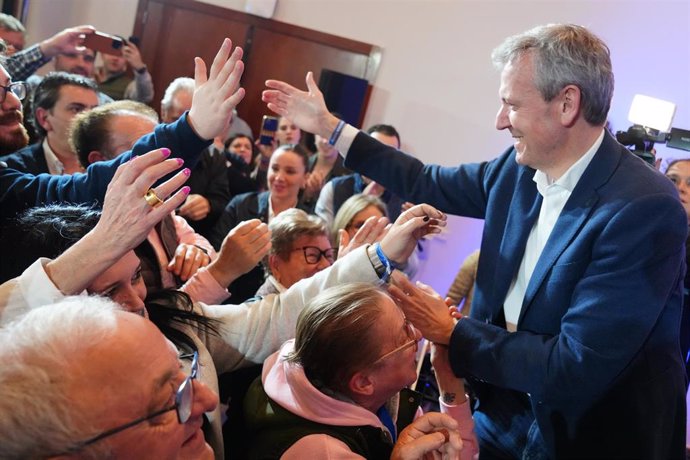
[269, 126]
[105, 43]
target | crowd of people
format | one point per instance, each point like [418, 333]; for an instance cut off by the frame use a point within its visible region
[175, 288]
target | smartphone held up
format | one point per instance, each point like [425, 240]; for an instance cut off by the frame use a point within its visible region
[104, 43]
[269, 126]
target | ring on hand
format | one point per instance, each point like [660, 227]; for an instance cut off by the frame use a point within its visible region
[152, 199]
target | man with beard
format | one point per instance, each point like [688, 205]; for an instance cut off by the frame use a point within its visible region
[13, 135]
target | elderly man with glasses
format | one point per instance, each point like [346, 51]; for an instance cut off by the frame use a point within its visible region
[84, 379]
[338, 390]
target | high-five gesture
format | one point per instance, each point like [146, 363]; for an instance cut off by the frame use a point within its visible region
[217, 93]
[306, 109]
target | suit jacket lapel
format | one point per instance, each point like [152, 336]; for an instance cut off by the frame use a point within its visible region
[522, 214]
[574, 214]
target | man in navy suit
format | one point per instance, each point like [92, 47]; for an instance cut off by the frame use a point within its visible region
[572, 345]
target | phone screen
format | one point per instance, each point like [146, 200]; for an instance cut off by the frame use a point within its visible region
[269, 126]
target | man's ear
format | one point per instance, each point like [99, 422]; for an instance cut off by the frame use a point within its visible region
[42, 118]
[95, 156]
[361, 384]
[571, 98]
[274, 266]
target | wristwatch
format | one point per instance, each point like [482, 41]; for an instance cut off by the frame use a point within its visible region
[379, 261]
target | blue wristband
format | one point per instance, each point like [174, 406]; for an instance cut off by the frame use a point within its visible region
[384, 260]
[336, 133]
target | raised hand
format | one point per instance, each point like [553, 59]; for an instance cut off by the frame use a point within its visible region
[306, 109]
[217, 93]
[187, 260]
[411, 225]
[127, 218]
[372, 230]
[423, 307]
[67, 41]
[243, 248]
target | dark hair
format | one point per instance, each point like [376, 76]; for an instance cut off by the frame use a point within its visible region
[297, 149]
[387, 130]
[50, 230]
[43, 232]
[232, 138]
[91, 131]
[48, 91]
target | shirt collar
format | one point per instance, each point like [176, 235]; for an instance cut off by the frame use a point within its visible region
[572, 176]
[55, 166]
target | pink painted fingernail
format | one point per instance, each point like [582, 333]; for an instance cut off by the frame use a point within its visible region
[186, 190]
[186, 171]
[180, 161]
[165, 152]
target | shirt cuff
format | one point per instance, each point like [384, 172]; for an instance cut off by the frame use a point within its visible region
[203, 287]
[345, 140]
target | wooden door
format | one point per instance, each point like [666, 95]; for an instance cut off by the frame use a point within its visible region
[173, 32]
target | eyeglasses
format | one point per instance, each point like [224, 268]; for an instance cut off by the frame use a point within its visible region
[17, 88]
[184, 400]
[411, 334]
[312, 254]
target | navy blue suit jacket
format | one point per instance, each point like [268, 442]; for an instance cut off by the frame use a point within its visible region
[597, 341]
[19, 190]
[31, 159]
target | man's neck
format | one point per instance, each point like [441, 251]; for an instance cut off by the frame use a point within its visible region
[69, 159]
[577, 143]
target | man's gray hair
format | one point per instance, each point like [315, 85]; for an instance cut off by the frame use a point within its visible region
[565, 54]
[178, 84]
[11, 24]
[37, 415]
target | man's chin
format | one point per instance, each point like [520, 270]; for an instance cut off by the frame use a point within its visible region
[13, 140]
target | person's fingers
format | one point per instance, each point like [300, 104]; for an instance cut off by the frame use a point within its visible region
[434, 421]
[232, 101]
[246, 227]
[177, 261]
[232, 71]
[281, 87]
[193, 261]
[200, 75]
[343, 239]
[165, 189]
[402, 282]
[221, 58]
[424, 444]
[427, 289]
[135, 167]
[168, 205]
[311, 84]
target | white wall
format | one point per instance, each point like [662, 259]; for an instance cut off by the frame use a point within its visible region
[436, 83]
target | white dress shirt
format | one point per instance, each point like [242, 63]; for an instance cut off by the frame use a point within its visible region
[555, 194]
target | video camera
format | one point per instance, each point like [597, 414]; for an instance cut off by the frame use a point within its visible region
[652, 120]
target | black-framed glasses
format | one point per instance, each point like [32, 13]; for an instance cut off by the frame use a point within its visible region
[411, 334]
[313, 254]
[184, 400]
[17, 88]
